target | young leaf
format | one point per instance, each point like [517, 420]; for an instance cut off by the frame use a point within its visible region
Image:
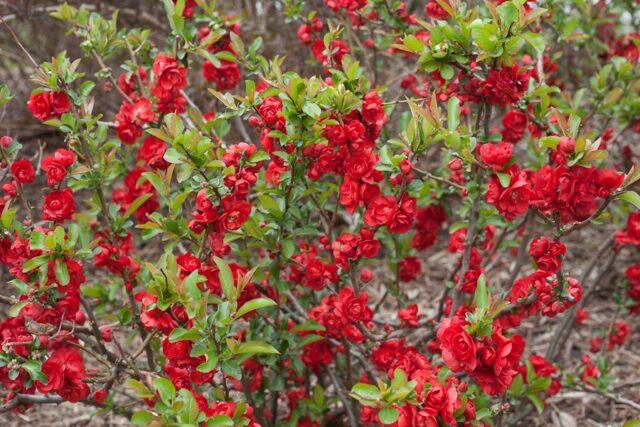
[256, 347]
[254, 304]
[631, 197]
[388, 415]
[226, 278]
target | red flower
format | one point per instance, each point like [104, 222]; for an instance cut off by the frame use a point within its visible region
[170, 76]
[514, 125]
[435, 11]
[55, 167]
[458, 348]
[226, 76]
[496, 156]
[270, 109]
[130, 119]
[513, 200]
[631, 236]
[353, 308]
[380, 211]
[23, 171]
[236, 214]
[337, 50]
[409, 268]
[49, 105]
[152, 153]
[59, 205]
[409, 315]
[547, 254]
[505, 86]
[403, 218]
[372, 111]
[65, 373]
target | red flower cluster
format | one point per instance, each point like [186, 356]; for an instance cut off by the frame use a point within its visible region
[551, 297]
[350, 247]
[55, 167]
[492, 361]
[547, 254]
[131, 117]
[54, 301]
[171, 78]
[514, 125]
[429, 222]
[633, 292]
[227, 212]
[65, 375]
[343, 315]
[310, 271]
[505, 86]
[49, 105]
[181, 367]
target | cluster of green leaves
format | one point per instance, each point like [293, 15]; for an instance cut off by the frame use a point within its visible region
[180, 408]
[384, 396]
[500, 36]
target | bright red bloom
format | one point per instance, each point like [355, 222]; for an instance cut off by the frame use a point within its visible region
[170, 76]
[23, 171]
[380, 211]
[59, 205]
[49, 105]
[458, 347]
[505, 86]
[514, 125]
[409, 268]
[495, 156]
[65, 374]
[513, 200]
[226, 76]
[547, 254]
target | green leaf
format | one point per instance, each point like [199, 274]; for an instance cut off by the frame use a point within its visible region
[142, 418]
[481, 297]
[549, 142]
[535, 40]
[256, 347]
[366, 391]
[209, 364]
[156, 181]
[220, 421]
[226, 278]
[631, 197]
[504, 178]
[166, 390]
[632, 423]
[254, 304]
[537, 402]
[311, 109]
[33, 368]
[15, 309]
[288, 247]
[181, 334]
[508, 13]
[34, 263]
[388, 415]
[453, 113]
[61, 271]
[413, 44]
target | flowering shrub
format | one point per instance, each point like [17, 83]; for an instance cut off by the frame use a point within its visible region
[254, 260]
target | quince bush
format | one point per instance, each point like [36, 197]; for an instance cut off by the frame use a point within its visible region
[276, 290]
